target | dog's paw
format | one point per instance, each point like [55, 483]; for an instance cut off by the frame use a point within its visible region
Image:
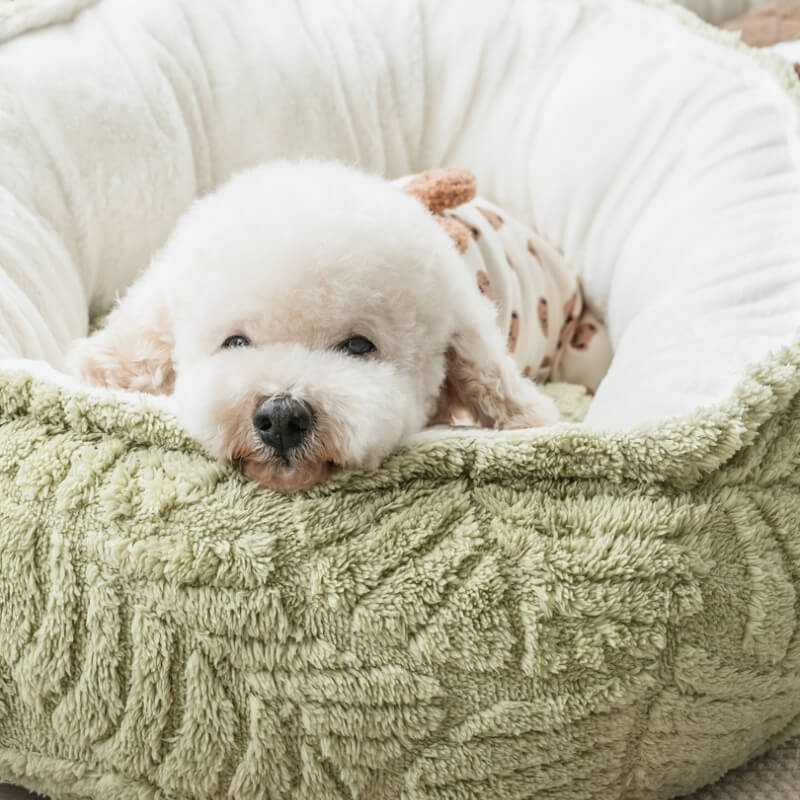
[84, 361]
[96, 361]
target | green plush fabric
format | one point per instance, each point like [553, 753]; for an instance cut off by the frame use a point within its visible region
[522, 615]
[568, 615]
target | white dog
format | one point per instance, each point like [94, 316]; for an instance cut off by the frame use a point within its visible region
[307, 315]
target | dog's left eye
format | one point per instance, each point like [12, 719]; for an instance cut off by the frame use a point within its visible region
[356, 346]
[236, 341]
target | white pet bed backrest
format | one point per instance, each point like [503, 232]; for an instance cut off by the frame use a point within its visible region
[664, 166]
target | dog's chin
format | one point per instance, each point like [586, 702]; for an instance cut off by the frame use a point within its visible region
[293, 477]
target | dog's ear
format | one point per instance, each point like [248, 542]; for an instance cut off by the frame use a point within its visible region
[134, 350]
[483, 378]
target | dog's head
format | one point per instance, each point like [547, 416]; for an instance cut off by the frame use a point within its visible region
[317, 316]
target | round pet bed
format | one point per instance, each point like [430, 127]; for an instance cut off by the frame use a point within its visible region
[606, 609]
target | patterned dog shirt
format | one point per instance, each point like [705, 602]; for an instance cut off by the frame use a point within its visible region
[553, 333]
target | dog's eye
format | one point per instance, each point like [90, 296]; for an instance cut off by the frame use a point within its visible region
[236, 341]
[356, 346]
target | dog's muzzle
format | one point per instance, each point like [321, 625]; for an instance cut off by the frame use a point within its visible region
[283, 423]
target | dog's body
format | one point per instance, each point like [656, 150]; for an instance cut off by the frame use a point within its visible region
[308, 315]
[552, 333]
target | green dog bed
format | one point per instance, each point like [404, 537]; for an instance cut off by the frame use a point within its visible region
[606, 609]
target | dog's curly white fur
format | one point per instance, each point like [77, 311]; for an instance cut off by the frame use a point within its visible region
[299, 257]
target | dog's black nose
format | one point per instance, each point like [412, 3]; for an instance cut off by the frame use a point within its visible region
[282, 422]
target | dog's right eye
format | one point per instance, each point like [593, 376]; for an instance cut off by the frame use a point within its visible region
[356, 346]
[236, 341]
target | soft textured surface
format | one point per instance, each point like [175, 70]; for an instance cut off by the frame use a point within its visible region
[18, 16]
[562, 614]
[775, 776]
[772, 777]
[469, 625]
[583, 615]
[680, 216]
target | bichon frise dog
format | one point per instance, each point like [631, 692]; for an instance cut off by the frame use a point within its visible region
[307, 315]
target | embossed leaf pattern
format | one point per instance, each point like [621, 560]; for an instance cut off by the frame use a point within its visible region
[574, 617]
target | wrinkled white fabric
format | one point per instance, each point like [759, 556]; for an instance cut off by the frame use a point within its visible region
[17, 16]
[788, 50]
[664, 166]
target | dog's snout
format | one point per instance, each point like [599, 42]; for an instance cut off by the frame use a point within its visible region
[283, 422]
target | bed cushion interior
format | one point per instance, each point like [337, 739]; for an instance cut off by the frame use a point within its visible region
[666, 168]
